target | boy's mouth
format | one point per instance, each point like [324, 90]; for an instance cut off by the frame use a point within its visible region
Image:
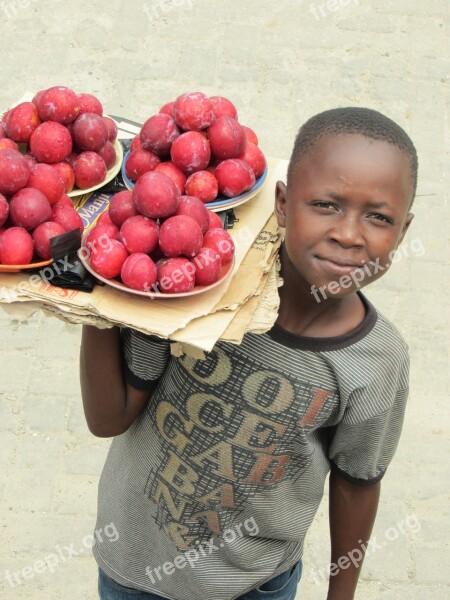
[337, 266]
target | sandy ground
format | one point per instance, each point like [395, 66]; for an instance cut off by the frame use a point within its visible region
[280, 62]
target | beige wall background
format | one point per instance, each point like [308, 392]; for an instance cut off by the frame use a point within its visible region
[280, 62]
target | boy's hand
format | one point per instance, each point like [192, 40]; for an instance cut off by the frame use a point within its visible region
[110, 404]
[353, 509]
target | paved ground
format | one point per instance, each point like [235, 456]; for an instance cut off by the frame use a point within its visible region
[280, 62]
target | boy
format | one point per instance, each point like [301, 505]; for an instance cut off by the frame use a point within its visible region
[221, 464]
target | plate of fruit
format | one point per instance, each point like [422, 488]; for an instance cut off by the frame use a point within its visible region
[176, 274]
[53, 148]
[67, 132]
[199, 143]
[153, 242]
[33, 209]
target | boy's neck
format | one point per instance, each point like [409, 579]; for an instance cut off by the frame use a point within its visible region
[301, 314]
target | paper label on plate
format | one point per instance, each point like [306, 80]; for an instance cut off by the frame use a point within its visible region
[91, 207]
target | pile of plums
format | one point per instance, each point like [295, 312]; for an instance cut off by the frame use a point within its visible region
[198, 142]
[48, 146]
[156, 240]
[65, 130]
[33, 208]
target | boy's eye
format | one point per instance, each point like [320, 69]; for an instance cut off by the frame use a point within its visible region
[382, 218]
[323, 204]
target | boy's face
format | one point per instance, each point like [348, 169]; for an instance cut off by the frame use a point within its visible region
[346, 206]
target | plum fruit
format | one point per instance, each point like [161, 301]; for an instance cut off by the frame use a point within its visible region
[180, 235]
[193, 207]
[158, 133]
[235, 177]
[136, 144]
[139, 234]
[208, 265]
[175, 275]
[63, 201]
[139, 272]
[203, 185]
[100, 237]
[4, 209]
[112, 128]
[90, 132]
[214, 220]
[58, 104]
[51, 142]
[226, 137]
[122, 207]
[193, 111]
[250, 135]
[89, 169]
[107, 261]
[66, 174]
[255, 159]
[108, 153]
[105, 219]
[191, 152]
[167, 109]
[7, 144]
[169, 169]
[22, 121]
[155, 195]
[14, 172]
[16, 247]
[222, 107]
[140, 162]
[221, 242]
[42, 236]
[67, 217]
[28, 208]
[90, 104]
[46, 179]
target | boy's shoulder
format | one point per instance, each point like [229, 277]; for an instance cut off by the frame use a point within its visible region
[374, 332]
[373, 351]
[386, 334]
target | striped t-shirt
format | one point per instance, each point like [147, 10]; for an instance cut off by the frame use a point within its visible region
[214, 486]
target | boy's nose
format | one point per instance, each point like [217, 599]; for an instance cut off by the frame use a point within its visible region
[347, 233]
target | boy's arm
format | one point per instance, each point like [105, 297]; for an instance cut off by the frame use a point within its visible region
[352, 514]
[110, 404]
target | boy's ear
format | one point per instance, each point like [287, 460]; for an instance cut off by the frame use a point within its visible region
[408, 220]
[280, 203]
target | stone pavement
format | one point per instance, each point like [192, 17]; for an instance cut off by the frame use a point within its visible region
[280, 62]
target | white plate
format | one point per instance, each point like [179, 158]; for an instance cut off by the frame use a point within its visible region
[198, 289]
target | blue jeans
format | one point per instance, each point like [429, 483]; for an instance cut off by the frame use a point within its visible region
[282, 587]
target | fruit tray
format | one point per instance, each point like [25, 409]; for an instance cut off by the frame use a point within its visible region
[225, 273]
[18, 268]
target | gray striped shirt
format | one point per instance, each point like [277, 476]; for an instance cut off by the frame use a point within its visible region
[214, 486]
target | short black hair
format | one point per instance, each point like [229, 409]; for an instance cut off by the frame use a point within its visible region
[353, 119]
